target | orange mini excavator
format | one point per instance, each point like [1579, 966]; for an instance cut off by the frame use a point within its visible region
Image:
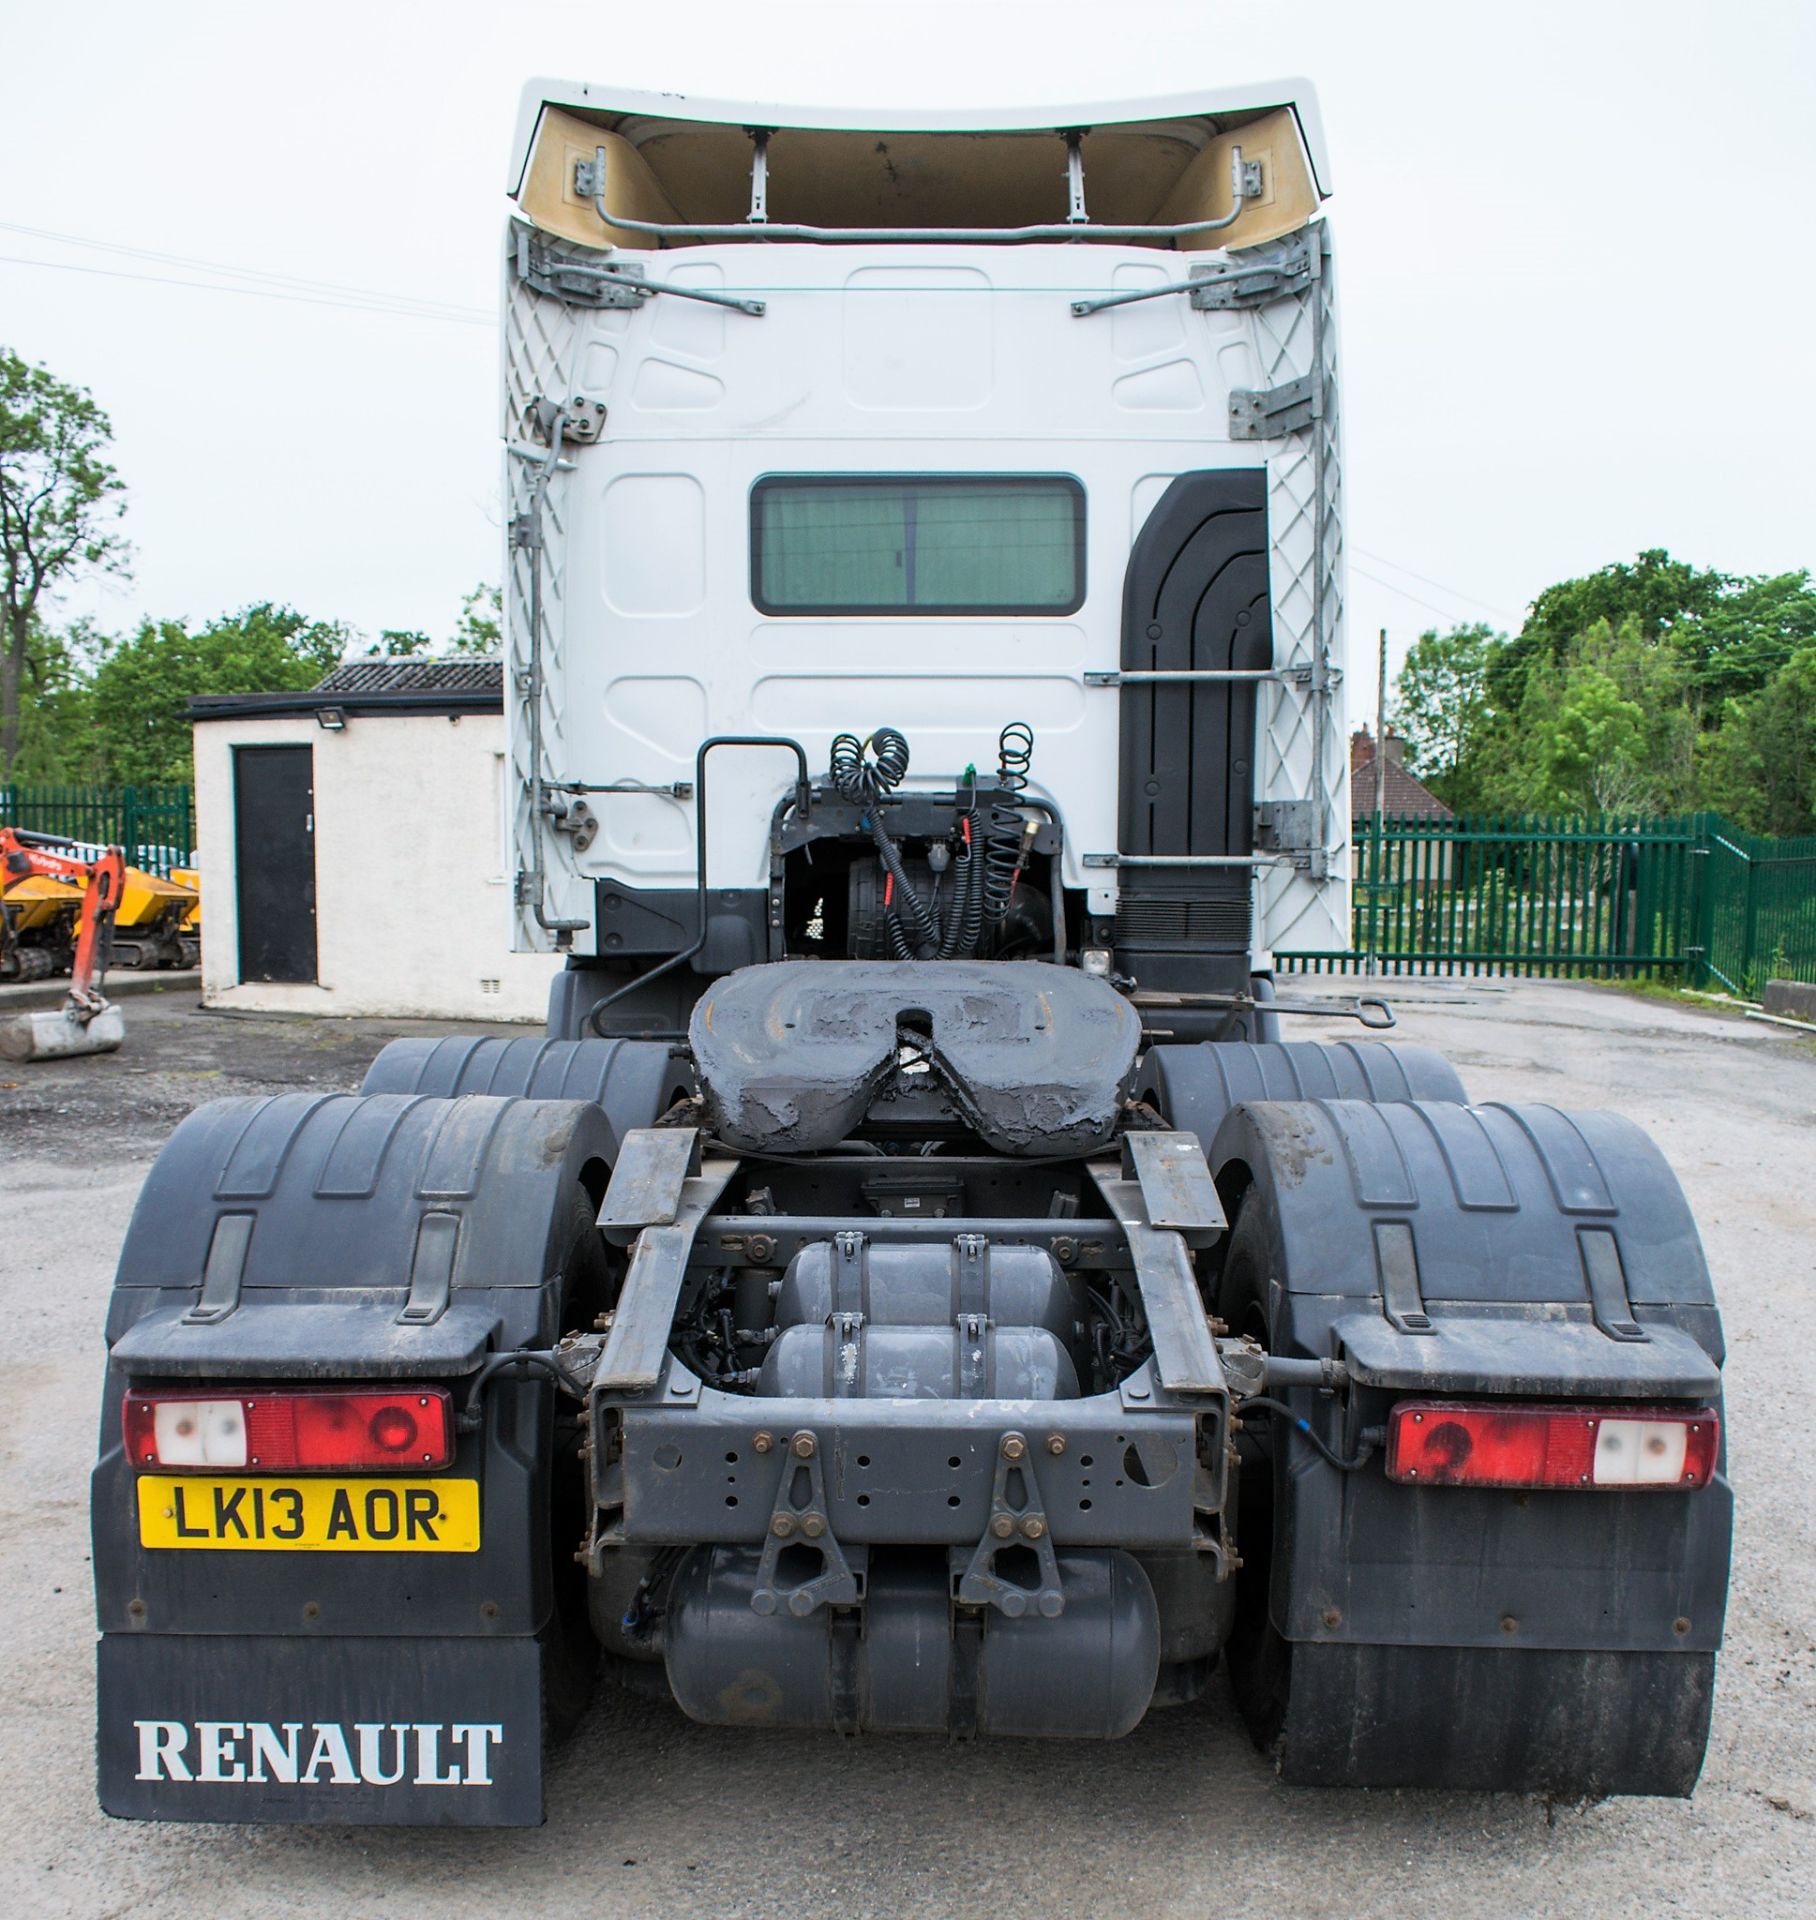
[86, 1022]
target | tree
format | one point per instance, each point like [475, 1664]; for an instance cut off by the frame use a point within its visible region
[56, 720]
[1750, 632]
[1657, 592]
[1441, 707]
[143, 684]
[58, 500]
[400, 643]
[479, 634]
[1760, 765]
[1604, 728]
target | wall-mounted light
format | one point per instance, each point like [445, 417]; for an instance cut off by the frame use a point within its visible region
[331, 719]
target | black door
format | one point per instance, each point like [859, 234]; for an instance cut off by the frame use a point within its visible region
[274, 857]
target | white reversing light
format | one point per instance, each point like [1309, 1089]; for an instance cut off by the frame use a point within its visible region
[1640, 1452]
[200, 1433]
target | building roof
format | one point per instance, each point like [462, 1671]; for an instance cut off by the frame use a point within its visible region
[415, 676]
[1402, 792]
[374, 687]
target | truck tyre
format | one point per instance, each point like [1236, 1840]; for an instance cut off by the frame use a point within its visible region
[1197, 1086]
[570, 1666]
[1258, 1655]
[629, 1081]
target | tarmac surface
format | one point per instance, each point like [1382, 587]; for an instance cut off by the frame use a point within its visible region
[651, 1815]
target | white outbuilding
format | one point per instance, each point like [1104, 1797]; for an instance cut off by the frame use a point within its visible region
[351, 844]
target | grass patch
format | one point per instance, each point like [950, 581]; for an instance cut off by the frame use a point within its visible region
[1678, 996]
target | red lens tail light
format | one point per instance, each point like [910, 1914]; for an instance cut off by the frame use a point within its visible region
[1456, 1443]
[408, 1429]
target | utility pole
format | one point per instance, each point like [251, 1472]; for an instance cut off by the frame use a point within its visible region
[1376, 877]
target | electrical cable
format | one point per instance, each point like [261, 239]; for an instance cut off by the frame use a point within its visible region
[1443, 613]
[399, 310]
[1371, 1437]
[965, 909]
[1456, 593]
[301, 281]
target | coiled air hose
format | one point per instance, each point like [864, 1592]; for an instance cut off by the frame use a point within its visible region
[863, 771]
[1004, 845]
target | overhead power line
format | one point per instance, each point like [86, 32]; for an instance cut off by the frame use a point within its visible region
[1426, 580]
[1430, 606]
[302, 282]
[257, 282]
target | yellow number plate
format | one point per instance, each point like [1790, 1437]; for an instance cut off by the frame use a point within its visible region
[336, 1516]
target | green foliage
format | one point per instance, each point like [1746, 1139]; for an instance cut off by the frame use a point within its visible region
[1656, 687]
[59, 499]
[1759, 767]
[1656, 592]
[399, 643]
[1750, 632]
[56, 717]
[1442, 710]
[479, 633]
[1603, 728]
[142, 685]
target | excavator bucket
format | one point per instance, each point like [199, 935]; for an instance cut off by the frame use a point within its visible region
[86, 1022]
[59, 1033]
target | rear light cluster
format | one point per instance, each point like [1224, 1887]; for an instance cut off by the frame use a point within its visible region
[308, 1432]
[1445, 1443]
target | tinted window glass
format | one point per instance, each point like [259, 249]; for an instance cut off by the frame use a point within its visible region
[927, 544]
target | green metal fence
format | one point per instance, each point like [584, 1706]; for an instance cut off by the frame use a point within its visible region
[1689, 900]
[155, 825]
[1757, 910]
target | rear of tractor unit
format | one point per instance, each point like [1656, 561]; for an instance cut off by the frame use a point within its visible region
[913, 1286]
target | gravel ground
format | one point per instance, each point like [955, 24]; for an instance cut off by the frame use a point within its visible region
[649, 1814]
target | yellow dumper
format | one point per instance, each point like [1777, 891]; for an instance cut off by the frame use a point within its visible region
[158, 923]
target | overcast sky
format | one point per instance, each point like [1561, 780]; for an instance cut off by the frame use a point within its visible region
[1577, 293]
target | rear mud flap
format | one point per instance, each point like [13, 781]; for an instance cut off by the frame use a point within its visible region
[1574, 1725]
[360, 1732]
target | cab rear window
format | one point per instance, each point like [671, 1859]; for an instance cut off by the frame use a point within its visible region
[918, 544]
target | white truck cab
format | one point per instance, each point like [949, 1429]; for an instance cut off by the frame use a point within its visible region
[822, 422]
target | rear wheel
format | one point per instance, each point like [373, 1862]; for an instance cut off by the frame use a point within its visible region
[1258, 1656]
[570, 1662]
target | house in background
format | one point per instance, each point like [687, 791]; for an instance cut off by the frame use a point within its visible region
[352, 847]
[1403, 796]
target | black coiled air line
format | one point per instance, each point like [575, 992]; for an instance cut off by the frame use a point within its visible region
[863, 771]
[1006, 844]
[863, 777]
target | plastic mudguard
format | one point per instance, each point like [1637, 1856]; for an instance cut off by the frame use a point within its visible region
[304, 1239]
[1196, 1085]
[629, 1081]
[1560, 1641]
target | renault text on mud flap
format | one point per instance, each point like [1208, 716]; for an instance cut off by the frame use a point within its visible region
[377, 1753]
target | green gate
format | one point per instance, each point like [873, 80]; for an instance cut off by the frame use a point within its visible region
[1577, 897]
[1757, 919]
